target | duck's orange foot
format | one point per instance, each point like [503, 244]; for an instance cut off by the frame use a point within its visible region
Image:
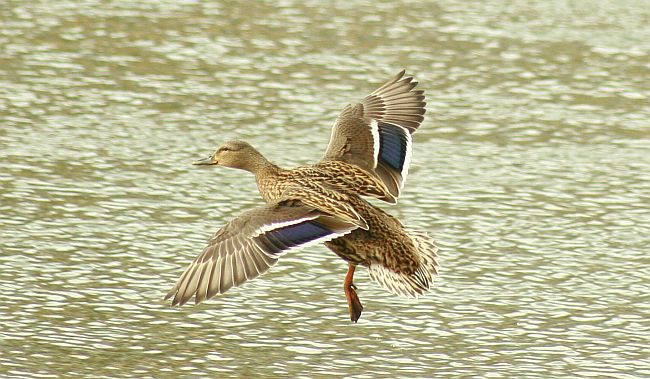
[354, 304]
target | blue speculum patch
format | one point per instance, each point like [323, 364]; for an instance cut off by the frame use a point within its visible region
[294, 235]
[392, 148]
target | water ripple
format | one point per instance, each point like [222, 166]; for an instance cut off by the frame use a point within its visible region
[531, 171]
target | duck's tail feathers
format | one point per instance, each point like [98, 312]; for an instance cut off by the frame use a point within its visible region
[417, 283]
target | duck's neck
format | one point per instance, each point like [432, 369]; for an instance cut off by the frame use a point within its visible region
[269, 180]
[266, 170]
[259, 165]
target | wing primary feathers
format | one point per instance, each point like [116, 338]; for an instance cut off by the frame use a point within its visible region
[226, 274]
[215, 278]
[203, 282]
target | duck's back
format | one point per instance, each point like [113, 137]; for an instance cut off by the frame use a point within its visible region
[346, 177]
[334, 175]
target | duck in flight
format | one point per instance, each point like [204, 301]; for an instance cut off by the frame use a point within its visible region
[368, 155]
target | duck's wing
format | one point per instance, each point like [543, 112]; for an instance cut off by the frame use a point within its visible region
[247, 246]
[376, 133]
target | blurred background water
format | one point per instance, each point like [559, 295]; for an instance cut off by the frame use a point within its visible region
[532, 171]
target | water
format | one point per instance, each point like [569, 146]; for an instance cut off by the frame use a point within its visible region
[532, 170]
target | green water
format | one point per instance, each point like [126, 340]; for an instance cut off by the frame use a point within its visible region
[531, 169]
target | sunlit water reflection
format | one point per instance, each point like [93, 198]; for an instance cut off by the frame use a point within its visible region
[532, 170]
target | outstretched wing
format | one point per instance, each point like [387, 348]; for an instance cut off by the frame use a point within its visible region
[247, 246]
[376, 133]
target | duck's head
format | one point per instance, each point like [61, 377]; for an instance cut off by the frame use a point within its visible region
[235, 154]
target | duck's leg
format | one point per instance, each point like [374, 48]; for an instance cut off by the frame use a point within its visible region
[353, 300]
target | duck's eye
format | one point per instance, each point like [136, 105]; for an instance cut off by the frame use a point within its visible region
[224, 149]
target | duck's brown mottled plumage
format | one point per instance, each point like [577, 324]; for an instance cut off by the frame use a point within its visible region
[368, 155]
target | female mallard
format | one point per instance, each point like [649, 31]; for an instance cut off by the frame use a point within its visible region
[368, 155]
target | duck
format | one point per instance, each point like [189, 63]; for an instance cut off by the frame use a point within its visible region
[367, 157]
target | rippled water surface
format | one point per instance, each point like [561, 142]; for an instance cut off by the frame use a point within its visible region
[532, 171]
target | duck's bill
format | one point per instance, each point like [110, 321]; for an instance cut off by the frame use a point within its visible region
[205, 161]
